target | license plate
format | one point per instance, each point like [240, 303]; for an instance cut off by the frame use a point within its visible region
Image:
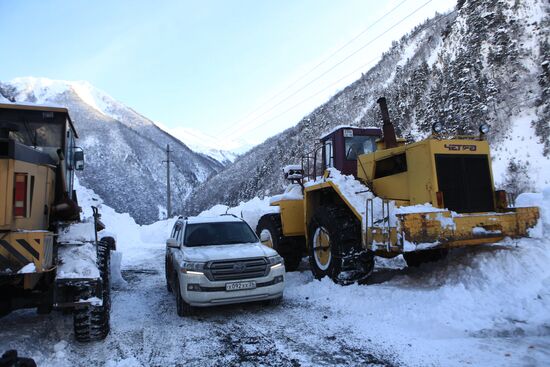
[239, 286]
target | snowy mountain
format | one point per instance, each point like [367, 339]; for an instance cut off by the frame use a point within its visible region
[486, 61]
[205, 144]
[124, 150]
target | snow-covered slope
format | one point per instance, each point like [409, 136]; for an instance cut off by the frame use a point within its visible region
[124, 150]
[202, 143]
[488, 61]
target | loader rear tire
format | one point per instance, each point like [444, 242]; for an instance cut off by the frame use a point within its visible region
[417, 258]
[335, 247]
[91, 322]
[290, 248]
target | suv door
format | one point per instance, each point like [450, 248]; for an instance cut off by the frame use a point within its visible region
[169, 259]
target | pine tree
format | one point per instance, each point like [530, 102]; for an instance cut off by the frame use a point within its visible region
[517, 178]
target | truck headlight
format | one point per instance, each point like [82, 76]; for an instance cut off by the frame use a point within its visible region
[275, 261]
[437, 127]
[191, 267]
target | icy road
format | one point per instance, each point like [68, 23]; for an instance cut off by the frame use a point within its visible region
[488, 306]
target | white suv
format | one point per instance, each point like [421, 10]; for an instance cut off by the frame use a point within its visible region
[220, 260]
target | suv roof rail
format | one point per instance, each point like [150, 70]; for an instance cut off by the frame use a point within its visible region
[233, 215]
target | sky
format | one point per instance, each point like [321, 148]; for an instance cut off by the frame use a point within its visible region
[236, 71]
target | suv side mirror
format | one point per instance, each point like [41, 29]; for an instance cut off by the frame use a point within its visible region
[78, 159]
[172, 242]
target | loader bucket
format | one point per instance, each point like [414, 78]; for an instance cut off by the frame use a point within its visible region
[445, 229]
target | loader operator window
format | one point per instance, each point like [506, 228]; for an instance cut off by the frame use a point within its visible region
[329, 158]
[391, 166]
[357, 145]
[39, 134]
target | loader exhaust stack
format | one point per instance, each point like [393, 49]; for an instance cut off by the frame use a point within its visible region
[390, 139]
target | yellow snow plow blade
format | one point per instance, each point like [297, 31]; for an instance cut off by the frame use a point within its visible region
[446, 230]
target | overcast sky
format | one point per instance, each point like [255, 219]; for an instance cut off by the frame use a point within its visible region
[221, 67]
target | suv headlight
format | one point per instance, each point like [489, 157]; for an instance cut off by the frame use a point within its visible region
[191, 267]
[275, 261]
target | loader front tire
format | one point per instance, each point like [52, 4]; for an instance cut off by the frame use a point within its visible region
[270, 232]
[335, 247]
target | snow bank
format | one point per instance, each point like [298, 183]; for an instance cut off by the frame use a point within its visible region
[132, 240]
[542, 200]
[251, 211]
[443, 309]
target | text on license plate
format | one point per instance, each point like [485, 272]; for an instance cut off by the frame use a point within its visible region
[240, 285]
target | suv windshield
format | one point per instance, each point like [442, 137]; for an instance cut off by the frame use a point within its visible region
[221, 233]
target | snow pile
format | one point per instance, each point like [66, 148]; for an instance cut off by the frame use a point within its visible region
[251, 211]
[419, 208]
[78, 261]
[332, 130]
[542, 200]
[482, 295]
[29, 268]
[292, 167]
[132, 240]
[357, 195]
[292, 192]
[117, 281]
[78, 233]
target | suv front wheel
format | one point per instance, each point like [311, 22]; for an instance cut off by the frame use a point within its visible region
[183, 308]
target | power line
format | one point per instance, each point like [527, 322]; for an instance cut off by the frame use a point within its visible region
[338, 63]
[313, 95]
[342, 78]
[320, 63]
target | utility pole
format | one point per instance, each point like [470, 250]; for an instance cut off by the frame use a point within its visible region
[168, 195]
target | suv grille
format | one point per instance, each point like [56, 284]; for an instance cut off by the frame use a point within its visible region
[237, 269]
[465, 182]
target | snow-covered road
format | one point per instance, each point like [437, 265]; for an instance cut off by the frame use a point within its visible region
[147, 332]
[404, 317]
[485, 306]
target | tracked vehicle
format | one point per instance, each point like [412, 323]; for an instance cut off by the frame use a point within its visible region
[363, 193]
[38, 160]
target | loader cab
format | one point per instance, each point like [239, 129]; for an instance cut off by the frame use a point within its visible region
[39, 157]
[342, 146]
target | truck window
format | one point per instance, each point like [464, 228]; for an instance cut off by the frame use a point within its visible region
[39, 134]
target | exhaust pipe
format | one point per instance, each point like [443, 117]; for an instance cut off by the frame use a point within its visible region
[390, 140]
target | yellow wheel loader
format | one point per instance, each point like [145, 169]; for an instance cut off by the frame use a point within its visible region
[38, 160]
[363, 193]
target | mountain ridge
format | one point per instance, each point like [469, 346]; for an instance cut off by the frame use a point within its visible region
[461, 69]
[124, 150]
